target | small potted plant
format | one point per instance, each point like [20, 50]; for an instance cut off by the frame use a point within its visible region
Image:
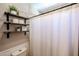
[13, 10]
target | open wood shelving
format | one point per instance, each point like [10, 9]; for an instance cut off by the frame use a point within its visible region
[8, 23]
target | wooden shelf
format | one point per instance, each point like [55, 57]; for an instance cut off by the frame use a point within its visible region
[8, 32]
[7, 13]
[14, 31]
[15, 23]
[8, 23]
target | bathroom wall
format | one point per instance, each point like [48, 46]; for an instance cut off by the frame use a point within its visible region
[15, 38]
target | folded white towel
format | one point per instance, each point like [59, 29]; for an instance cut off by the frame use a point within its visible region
[15, 21]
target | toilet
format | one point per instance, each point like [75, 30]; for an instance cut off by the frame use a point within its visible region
[20, 50]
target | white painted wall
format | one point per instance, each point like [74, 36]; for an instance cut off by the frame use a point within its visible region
[24, 10]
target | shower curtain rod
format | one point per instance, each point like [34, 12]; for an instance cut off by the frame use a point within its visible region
[53, 10]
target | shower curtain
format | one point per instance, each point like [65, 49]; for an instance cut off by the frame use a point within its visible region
[55, 33]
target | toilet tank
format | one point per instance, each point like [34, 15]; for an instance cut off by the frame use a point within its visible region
[20, 50]
[23, 54]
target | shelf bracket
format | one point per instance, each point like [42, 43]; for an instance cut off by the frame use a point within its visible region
[25, 23]
[8, 34]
